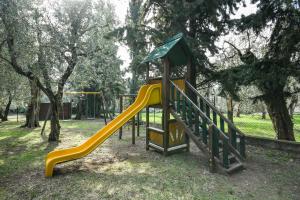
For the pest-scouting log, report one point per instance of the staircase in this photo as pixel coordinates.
(211, 131)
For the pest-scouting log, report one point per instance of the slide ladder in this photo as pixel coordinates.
(211, 131)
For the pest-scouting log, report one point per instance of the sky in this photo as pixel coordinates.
(121, 7)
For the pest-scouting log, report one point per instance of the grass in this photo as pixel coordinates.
(119, 170)
(248, 124)
(255, 126)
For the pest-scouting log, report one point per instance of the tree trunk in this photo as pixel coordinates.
(55, 126)
(229, 108)
(4, 116)
(32, 115)
(280, 117)
(238, 112)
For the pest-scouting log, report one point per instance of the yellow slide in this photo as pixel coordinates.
(148, 95)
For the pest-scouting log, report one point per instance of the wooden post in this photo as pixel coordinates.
(138, 124)
(121, 110)
(190, 77)
(147, 126)
(166, 104)
(133, 130)
(147, 112)
(133, 122)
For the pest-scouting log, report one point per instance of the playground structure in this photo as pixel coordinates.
(135, 121)
(186, 115)
(89, 105)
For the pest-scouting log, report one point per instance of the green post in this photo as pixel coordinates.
(215, 118)
(201, 105)
(172, 94)
(216, 141)
(190, 114)
(242, 146)
(204, 131)
(183, 108)
(233, 137)
(207, 110)
(222, 127)
(225, 154)
(212, 164)
(197, 132)
(178, 101)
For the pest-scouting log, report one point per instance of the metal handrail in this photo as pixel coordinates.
(215, 110)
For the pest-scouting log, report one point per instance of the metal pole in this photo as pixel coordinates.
(17, 114)
(147, 112)
(87, 106)
(94, 106)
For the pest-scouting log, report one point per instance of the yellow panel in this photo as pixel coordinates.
(156, 138)
(148, 94)
(176, 134)
(180, 83)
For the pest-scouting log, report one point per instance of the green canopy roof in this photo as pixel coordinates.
(175, 48)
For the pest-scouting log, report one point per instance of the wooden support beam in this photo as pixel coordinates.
(133, 130)
(147, 110)
(166, 103)
(121, 110)
(138, 124)
(190, 77)
(147, 131)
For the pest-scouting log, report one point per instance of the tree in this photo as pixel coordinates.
(270, 72)
(60, 42)
(100, 71)
(202, 22)
(134, 34)
(10, 89)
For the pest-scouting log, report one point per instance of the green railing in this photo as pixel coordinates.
(237, 138)
(199, 121)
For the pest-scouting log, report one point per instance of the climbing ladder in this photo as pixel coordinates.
(211, 131)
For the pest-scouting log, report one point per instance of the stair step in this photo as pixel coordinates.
(235, 167)
(231, 158)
